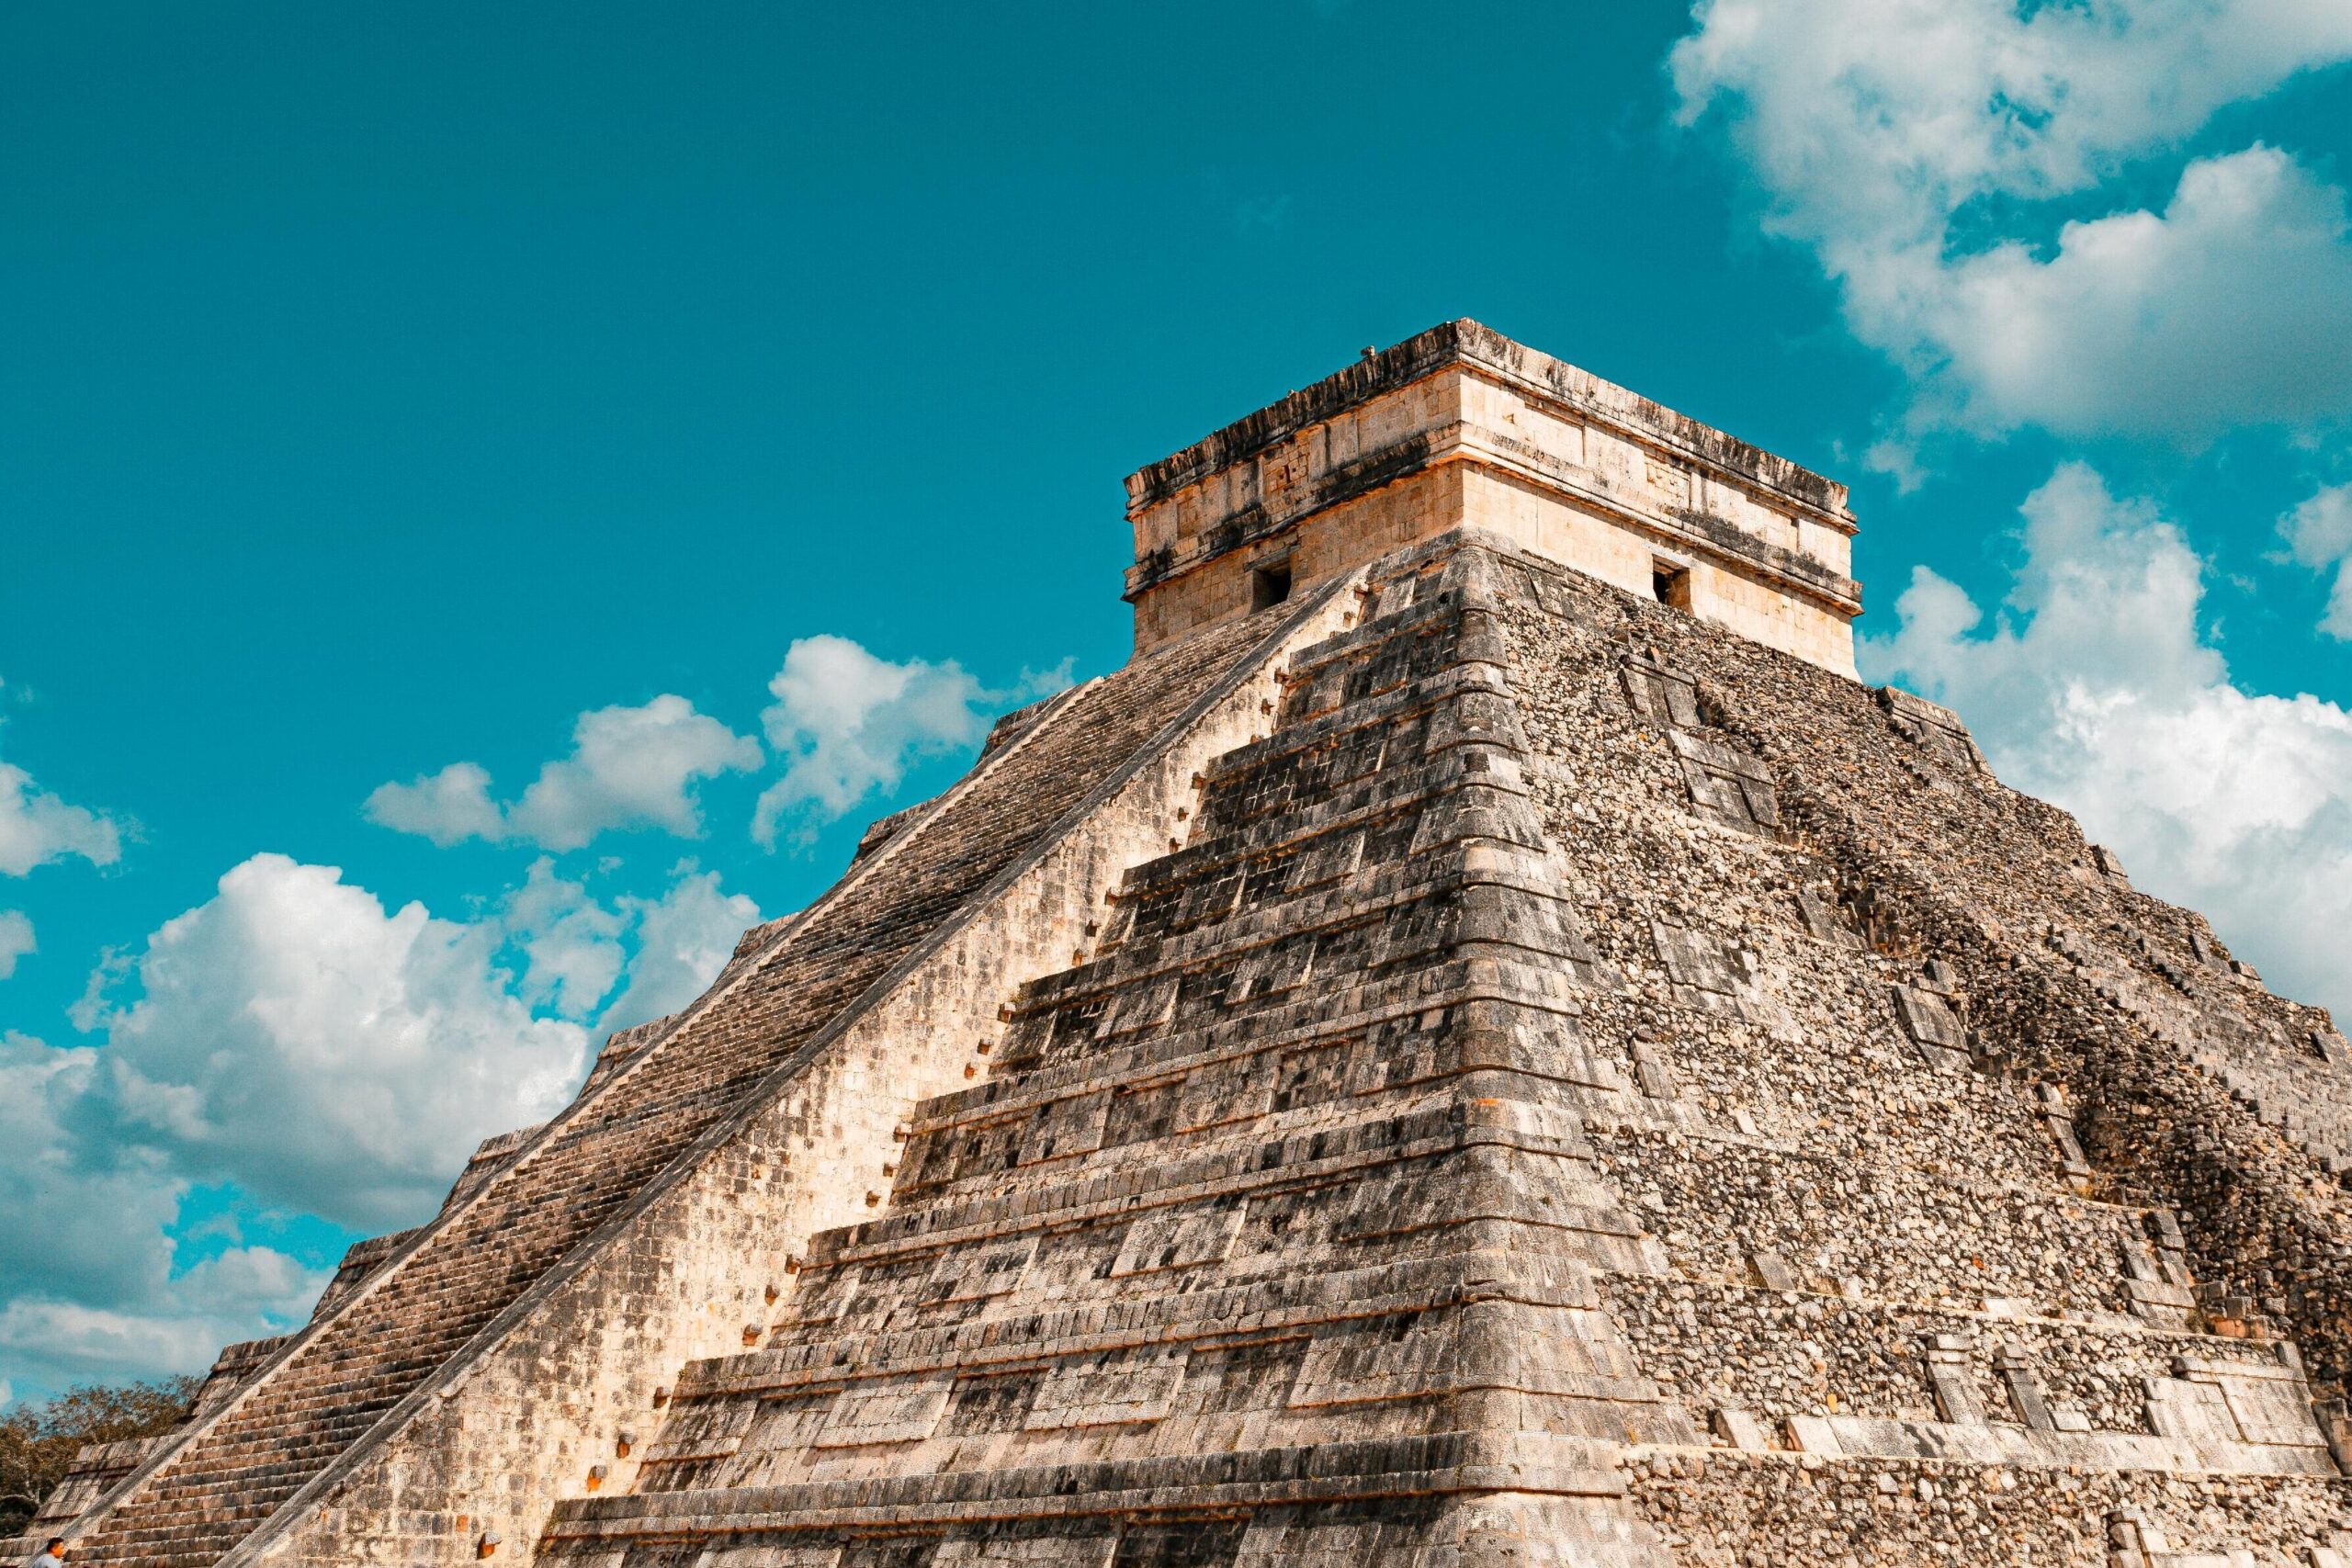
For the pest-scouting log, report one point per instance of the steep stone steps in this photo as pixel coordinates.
(482, 1252)
(1380, 954)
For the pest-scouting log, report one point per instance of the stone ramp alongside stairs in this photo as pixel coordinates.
(451, 1296)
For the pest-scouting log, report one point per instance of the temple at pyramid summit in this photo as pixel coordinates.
(1485, 1044)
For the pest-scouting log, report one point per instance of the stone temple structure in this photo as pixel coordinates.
(1484, 1043)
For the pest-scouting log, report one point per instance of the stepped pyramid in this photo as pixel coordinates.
(1484, 1043)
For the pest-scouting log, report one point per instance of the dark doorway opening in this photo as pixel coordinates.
(1269, 585)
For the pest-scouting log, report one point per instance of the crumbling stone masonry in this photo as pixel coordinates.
(1483, 1043)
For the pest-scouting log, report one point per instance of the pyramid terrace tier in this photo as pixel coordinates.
(1553, 1499)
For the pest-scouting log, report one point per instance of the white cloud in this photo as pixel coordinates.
(16, 939)
(36, 826)
(2096, 690)
(847, 723)
(570, 943)
(684, 940)
(1904, 143)
(575, 949)
(243, 1292)
(446, 807)
(2320, 532)
(90, 1290)
(630, 767)
(294, 1037)
(76, 1216)
(2233, 307)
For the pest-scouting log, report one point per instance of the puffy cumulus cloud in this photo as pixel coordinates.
(684, 939)
(36, 826)
(292, 1036)
(575, 949)
(2232, 307)
(1888, 115)
(244, 1292)
(630, 767)
(570, 944)
(1904, 143)
(16, 939)
(2095, 688)
(2320, 532)
(448, 807)
(88, 1284)
(848, 723)
(80, 1216)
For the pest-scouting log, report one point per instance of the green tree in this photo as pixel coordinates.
(37, 1442)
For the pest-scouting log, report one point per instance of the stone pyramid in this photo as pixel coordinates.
(1484, 1043)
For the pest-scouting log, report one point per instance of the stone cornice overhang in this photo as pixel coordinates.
(1576, 394)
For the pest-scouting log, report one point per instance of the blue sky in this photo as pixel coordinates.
(493, 499)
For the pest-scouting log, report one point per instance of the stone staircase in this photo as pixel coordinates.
(1277, 1194)
(536, 1204)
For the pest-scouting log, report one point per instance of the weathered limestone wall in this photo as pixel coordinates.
(1725, 586)
(1558, 462)
(1896, 1511)
(1533, 1087)
(1980, 1248)
(355, 1379)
